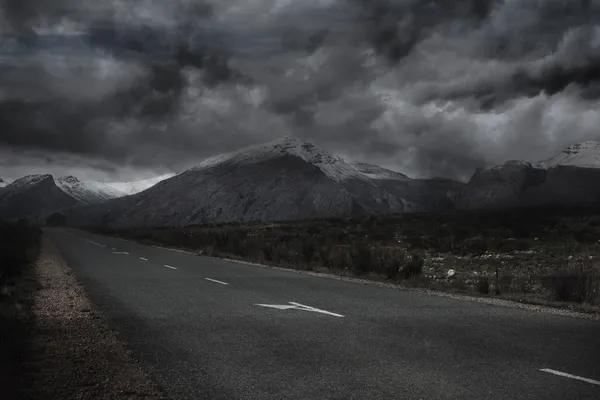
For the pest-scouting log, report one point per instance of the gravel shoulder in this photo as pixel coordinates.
(74, 353)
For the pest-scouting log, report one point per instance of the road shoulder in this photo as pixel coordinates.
(74, 354)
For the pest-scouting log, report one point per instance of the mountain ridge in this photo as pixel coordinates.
(42, 193)
(290, 178)
(283, 179)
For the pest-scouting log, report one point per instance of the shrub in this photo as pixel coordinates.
(56, 219)
(339, 258)
(483, 285)
(325, 256)
(361, 259)
(414, 267)
(308, 249)
(394, 264)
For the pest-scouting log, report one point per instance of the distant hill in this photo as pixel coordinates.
(570, 177)
(34, 195)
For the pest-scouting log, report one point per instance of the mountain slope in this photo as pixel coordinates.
(418, 195)
(36, 195)
(570, 177)
(282, 180)
(87, 192)
(583, 155)
(32, 194)
(138, 186)
(3, 183)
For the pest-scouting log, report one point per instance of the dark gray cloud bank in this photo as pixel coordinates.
(428, 87)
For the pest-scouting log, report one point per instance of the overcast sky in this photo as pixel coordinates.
(124, 89)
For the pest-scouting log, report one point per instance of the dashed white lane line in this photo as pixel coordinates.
(120, 252)
(114, 248)
(579, 378)
(95, 243)
(168, 266)
(144, 259)
(216, 281)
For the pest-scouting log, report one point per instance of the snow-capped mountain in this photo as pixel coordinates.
(3, 183)
(42, 194)
(291, 179)
(583, 155)
(333, 166)
(139, 185)
(570, 177)
(88, 192)
(281, 180)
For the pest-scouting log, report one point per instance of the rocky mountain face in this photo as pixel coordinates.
(36, 195)
(570, 177)
(87, 192)
(582, 155)
(283, 180)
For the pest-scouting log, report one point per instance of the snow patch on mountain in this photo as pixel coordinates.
(29, 180)
(584, 155)
(376, 172)
(334, 166)
(87, 192)
(139, 185)
(3, 183)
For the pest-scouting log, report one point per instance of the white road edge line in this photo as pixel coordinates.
(316, 309)
(168, 266)
(579, 378)
(142, 258)
(216, 281)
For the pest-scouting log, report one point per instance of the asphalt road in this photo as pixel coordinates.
(197, 325)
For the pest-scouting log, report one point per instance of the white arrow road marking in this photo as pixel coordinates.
(579, 378)
(120, 252)
(277, 306)
(309, 308)
(298, 306)
(216, 281)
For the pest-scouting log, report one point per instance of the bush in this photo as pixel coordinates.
(394, 264)
(361, 259)
(56, 219)
(483, 285)
(414, 267)
(573, 287)
(19, 245)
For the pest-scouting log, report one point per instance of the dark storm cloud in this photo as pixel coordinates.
(395, 27)
(430, 86)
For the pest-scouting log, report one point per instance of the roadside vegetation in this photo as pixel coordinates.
(19, 248)
(543, 255)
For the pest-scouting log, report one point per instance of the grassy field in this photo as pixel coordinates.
(544, 255)
(19, 248)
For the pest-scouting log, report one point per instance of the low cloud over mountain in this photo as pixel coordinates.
(425, 87)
